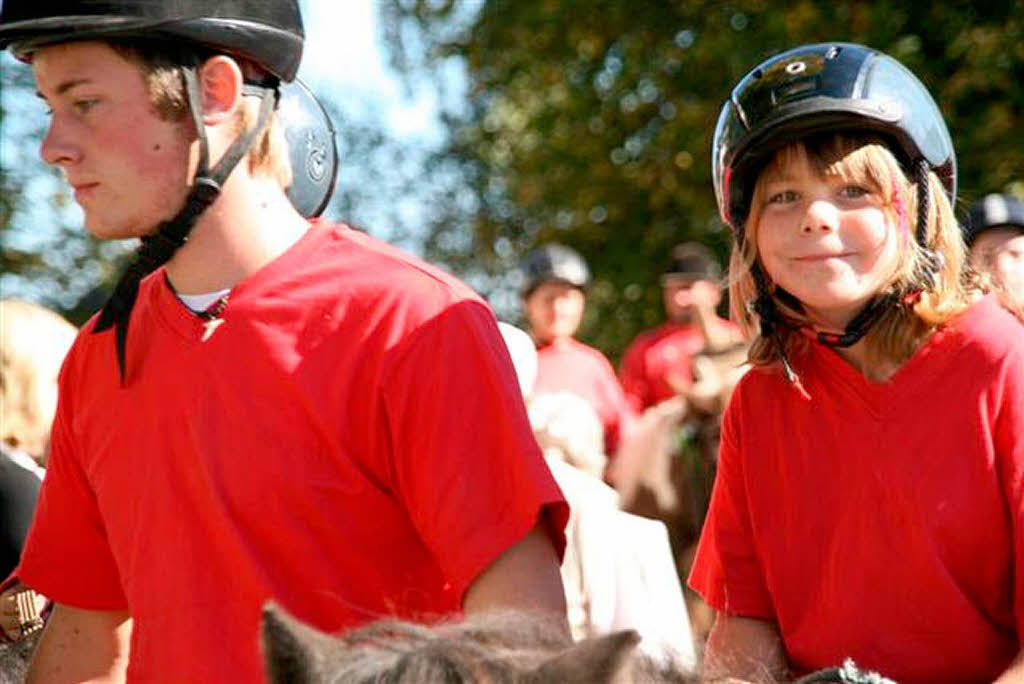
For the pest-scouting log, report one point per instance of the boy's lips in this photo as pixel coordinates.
(83, 190)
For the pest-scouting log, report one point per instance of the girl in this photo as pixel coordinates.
(870, 492)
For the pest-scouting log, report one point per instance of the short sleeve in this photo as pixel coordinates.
(66, 556)
(465, 462)
(726, 570)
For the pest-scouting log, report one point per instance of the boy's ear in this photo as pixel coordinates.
(220, 83)
(601, 660)
(293, 653)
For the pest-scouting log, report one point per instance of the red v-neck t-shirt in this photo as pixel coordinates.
(350, 442)
(880, 521)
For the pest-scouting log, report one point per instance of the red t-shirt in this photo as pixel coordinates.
(882, 522)
(659, 354)
(568, 365)
(350, 442)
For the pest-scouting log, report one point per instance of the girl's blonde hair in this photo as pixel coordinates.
(864, 159)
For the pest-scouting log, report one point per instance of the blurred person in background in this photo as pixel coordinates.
(678, 376)
(33, 343)
(994, 233)
(554, 280)
(619, 570)
(658, 364)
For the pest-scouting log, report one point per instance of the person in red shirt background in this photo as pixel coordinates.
(994, 233)
(657, 365)
(554, 280)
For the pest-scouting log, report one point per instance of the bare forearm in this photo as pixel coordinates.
(82, 646)
(744, 649)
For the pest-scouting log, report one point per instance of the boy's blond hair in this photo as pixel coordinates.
(269, 154)
(865, 160)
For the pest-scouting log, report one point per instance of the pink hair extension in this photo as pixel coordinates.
(897, 202)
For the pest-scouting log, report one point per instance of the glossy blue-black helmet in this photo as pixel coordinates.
(817, 89)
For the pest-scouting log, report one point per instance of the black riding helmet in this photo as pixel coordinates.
(267, 33)
(993, 211)
(828, 87)
(553, 263)
(825, 88)
(692, 261)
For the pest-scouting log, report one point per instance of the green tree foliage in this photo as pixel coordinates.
(590, 123)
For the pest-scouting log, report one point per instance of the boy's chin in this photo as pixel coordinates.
(106, 230)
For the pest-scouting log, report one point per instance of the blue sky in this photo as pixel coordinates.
(344, 60)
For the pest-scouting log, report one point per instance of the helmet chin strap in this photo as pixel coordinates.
(157, 249)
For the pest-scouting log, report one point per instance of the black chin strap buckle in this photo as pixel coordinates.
(847, 339)
(206, 189)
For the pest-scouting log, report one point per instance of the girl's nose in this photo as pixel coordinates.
(821, 217)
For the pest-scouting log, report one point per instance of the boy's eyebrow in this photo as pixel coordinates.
(65, 86)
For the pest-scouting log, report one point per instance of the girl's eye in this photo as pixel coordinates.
(782, 197)
(854, 191)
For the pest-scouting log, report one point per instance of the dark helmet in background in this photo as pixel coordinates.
(553, 263)
(692, 261)
(993, 211)
(824, 88)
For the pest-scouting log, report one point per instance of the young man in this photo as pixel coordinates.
(995, 235)
(657, 364)
(554, 278)
(303, 436)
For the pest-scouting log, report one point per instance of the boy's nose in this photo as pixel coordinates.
(57, 148)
